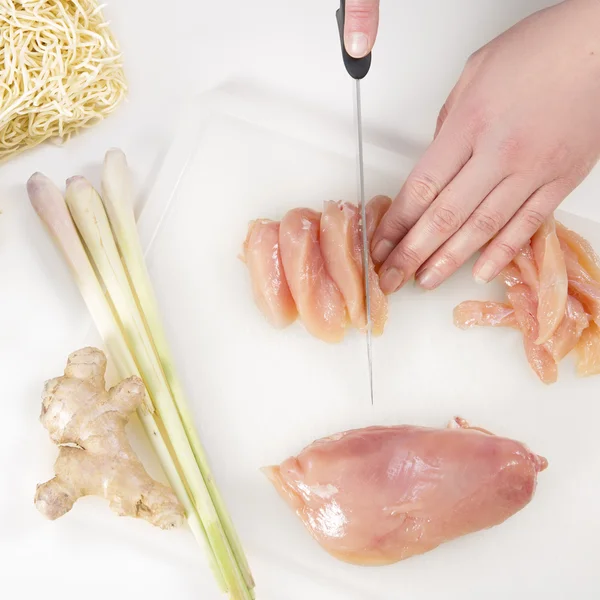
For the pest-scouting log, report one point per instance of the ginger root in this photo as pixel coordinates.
(87, 422)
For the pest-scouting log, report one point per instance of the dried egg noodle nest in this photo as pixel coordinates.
(60, 70)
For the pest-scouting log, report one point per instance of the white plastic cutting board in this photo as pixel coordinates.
(260, 395)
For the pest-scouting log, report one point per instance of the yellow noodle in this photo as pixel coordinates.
(60, 71)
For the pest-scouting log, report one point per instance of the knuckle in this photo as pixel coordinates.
(442, 115)
(476, 58)
(579, 171)
(361, 10)
(533, 218)
(555, 156)
(394, 226)
(477, 118)
(488, 223)
(510, 149)
(423, 189)
(445, 219)
(506, 249)
(472, 61)
(408, 256)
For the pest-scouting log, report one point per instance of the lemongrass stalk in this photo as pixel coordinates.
(91, 220)
(117, 196)
(50, 206)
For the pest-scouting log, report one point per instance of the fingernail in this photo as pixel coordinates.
(382, 250)
(486, 273)
(429, 278)
(391, 280)
(357, 44)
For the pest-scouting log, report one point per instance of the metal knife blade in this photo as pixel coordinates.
(357, 69)
(363, 219)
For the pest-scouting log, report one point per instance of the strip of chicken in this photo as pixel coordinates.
(476, 313)
(523, 301)
(379, 495)
(269, 284)
(341, 245)
(553, 282)
(588, 352)
(525, 261)
(581, 285)
(318, 299)
(586, 255)
(569, 332)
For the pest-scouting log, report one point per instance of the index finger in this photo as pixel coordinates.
(360, 26)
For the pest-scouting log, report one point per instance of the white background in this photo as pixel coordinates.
(172, 51)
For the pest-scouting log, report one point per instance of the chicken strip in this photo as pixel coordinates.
(269, 284)
(473, 313)
(581, 285)
(566, 337)
(586, 255)
(341, 245)
(525, 262)
(553, 282)
(522, 299)
(379, 495)
(588, 352)
(317, 297)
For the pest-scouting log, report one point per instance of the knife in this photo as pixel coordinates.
(357, 68)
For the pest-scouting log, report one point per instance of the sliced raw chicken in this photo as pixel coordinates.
(474, 313)
(569, 277)
(379, 495)
(375, 209)
(553, 282)
(511, 275)
(341, 245)
(569, 331)
(318, 299)
(523, 301)
(581, 284)
(586, 255)
(269, 284)
(525, 261)
(588, 352)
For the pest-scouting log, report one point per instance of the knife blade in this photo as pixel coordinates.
(357, 68)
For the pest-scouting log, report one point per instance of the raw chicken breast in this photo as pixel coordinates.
(553, 282)
(379, 495)
(525, 261)
(581, 285)
(588, 352)
(569, 331)
(522, 299)
(269, 284)
(318, 299)
(586, 255)
(474, 313)
(341, 245)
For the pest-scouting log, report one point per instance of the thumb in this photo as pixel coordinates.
(360, 28)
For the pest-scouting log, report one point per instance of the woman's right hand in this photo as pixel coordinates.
(360, 29)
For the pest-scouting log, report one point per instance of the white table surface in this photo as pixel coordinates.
(173, 50)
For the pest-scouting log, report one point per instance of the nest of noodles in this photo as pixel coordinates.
(60, 71)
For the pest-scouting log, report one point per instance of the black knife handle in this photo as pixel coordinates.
(357, 67)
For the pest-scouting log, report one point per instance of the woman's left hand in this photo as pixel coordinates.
(520, 130)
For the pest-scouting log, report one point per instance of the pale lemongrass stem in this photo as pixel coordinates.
(117, 196)
(91, 220)
(50, 206)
